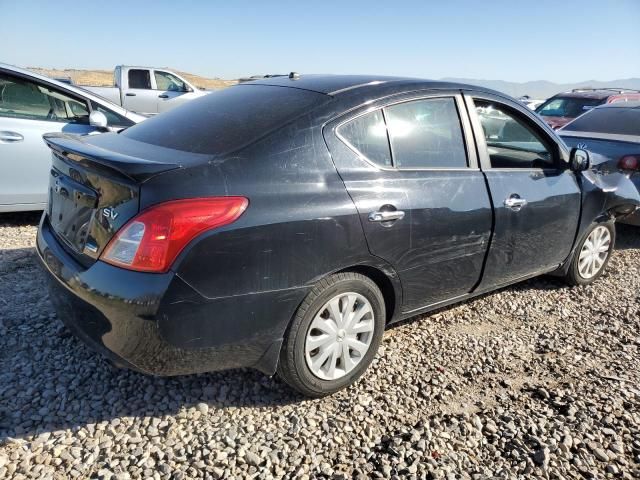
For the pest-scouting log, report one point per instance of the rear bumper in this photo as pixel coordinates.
(157, 323)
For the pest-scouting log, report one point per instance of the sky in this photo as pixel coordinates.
(514, 40)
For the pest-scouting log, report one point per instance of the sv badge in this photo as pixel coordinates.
(109, 213)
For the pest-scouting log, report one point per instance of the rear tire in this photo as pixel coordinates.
(592, 254)
(333, 336)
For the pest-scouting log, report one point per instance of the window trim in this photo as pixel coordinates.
(560, 154)
(465, 130)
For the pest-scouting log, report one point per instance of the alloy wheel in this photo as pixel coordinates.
(594, 252)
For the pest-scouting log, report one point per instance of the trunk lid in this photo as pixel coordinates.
(94, 190)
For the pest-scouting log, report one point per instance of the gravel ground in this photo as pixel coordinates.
(538, 380)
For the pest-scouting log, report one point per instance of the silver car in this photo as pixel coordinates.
(30, 106)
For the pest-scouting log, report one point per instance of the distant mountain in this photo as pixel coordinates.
(543, 89)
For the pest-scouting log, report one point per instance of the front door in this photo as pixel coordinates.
(170, 89)
(422, 200)
(536, 197)
(29, 109)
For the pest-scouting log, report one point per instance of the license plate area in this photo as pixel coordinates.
(71, 208)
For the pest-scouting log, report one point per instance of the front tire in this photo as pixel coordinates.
(334, 335)
(592, 254)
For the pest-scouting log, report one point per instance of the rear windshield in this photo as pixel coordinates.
(623, 121)
(227, 120)
(567, 106)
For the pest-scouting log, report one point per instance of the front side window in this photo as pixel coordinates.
(511, 141)
(367, 135)
(21, 98)
(426, 134)
(139, 79)
(113, 119)
(169, 83)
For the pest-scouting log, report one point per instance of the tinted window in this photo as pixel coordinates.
(169, 83)
(511, 141)
(21, 98)
(368, 135)
(623, 121)
(139, 79)
(226, 120)
(567, 106)
(426, 134)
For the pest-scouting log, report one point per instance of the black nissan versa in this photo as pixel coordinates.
(282, 224)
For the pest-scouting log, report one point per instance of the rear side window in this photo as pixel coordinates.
(367, 135)
(226, 120)
(426, 134)
(139, 79)
(617, 120)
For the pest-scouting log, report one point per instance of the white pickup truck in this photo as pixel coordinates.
(148, 90)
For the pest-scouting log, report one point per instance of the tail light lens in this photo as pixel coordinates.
(629, 162)
(152, 240)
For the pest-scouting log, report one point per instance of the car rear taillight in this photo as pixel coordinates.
(152, 240)
(629, 162)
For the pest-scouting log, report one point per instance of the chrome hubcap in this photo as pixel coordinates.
(339, 336)
(594, 252)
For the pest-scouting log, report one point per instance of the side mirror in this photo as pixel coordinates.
(98, 119)
(579, 160)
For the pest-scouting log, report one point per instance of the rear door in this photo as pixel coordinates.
(410, 167)
(536, 197)
(29, 109)
(139, 96)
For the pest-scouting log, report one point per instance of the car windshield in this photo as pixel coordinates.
(225, 120)
(616, 120)
(567, 106)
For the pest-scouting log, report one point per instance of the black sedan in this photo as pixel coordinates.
(611, 133)
(282, 224)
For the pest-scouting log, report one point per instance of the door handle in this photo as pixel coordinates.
(10, 137)
(164, 95)
(386, 216)
(130, 94)
(514, 202)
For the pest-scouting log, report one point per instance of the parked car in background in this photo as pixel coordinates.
(30, 106)
(67, 80)
(560, 109)
(532, 103)
(281, 224)
(148, 90)
(611, 133)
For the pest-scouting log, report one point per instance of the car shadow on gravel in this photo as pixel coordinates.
(19, 219)
(49, 380)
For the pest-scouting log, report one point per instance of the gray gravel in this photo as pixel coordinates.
(538, 380)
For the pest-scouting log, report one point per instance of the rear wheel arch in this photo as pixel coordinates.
(390, 292)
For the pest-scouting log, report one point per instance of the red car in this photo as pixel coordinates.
(564, 107)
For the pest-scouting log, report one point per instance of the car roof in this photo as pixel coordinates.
(621, 104)
(596, 93)
(334, 85)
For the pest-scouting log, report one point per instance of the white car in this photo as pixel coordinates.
(148, 90)
(30, 106)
